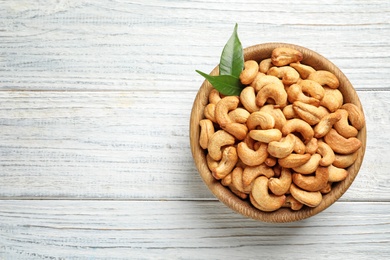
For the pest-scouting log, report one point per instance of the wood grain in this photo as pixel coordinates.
(186, 229)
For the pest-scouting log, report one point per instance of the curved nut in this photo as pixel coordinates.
(289, 112)
(211, 163)
(312, 183)
(343, 127)
(251, 67)
(209, 112)
(217, 141)
(265, 80)
(252, 172)
(206, 131)
(251, 157)
(327, 188)
(238, 193)
(299, 146)
(295, 93)
(277, 114)
(311, 114)
(227, 163)
(326, 123)
(257, 78)
(227, 180)
(239, 115)
(282, 56)
(238, 130)
(344, 161)
(332, 100)
(292, 203)
(336, 174)
(262, 119)
(214, 96)
(310, 166)
(266, 136)
(325, 78)
(294, 160)
(312, 146)
(263, 200)
(281, 185)
(270, 161)
(282, 148)
(274, 92)
(312, 88)
(326, 152)
(355, 115)
(303, 70)
(342, 145)
(248, 99)
(298, 125)
(237, 181)
(287, 74)
(308, 198)
(222, 108)
(265, 65)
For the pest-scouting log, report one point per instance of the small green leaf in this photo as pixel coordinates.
(226, 84)
(232, 57)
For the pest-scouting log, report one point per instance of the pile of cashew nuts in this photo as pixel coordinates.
(288, 136)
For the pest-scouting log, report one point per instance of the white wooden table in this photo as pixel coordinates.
(95, 98)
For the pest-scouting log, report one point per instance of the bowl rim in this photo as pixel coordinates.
(244, 207)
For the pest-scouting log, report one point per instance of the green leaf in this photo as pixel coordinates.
(226, 84)
(232, 57)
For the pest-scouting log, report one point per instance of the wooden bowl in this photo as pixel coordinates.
(244, 207)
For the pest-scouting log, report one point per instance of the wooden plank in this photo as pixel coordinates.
(118, 45)
(186, 230)
(127, 145)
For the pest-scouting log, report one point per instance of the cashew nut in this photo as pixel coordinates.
(248, 99)
(298, 125)
(303, 70)
(336, 174)
(282, 148)
(295, 93)
(310, 166)
(274, 92)
(270, 161)
(308, 198)
(214, 96)
(312, 146)
(294, 160)
(332, 100)
(238, 130)
(327, 188)
(263, 200)
(281, 185)
(266, 136)
(206, 131)
(289, 112)
(209, 112)
(251, 67)
(239, 115)
(343, 127)
(222, 108)
(217, 140)
(326, 152)
(211, 163)
(325, 78)
(326, 123)
(344, 161)
(262, 119)
(265, 65)
(251, 157)
(312, 88)
(355, 115)
(227, 163)
(287, 74)
(292, 203)
(311, 114)
(342, 145)
(312, 183)
(280, 119)
(282, 56)
(265, 80)
(252, 172)
(237, 181)
(299, 146)
(227, 180)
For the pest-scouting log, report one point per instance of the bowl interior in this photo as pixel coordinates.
(258, 53)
